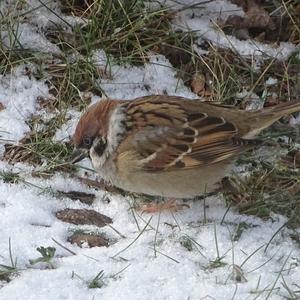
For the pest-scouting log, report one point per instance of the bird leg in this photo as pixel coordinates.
(160, 205)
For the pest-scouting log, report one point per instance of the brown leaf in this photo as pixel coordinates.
(91, 239)
(255, 17)
(258, 17)
(85, 198)
(83, 217)
(1, 106)
(198, 83)
(17, 153)
(101, 185)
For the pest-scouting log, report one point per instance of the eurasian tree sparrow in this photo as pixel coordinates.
(166, 145)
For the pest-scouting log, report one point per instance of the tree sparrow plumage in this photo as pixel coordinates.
(167, 145)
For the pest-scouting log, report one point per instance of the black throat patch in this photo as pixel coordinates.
(100, 146)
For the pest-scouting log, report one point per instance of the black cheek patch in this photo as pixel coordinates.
(100, 147)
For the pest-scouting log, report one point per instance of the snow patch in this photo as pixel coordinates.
(253, 101)
(18, 94)
(128, 82)
(271, 81)
(26, 36)
(202, 20)
(67, 130)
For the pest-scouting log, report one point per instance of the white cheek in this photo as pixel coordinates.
(97, 161)
(104, 166)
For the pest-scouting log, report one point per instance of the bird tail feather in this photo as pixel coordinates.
(262, 119)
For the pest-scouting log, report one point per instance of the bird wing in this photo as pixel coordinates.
(167, 135)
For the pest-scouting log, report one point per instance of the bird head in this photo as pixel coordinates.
(92, 130)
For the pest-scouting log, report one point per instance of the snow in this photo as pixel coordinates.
(174, 273)
(150, 262)
(203, 20)
(18, 94)
(271, 81)
(27, 36)
(254, 102)
(65, 133)
(128, 82)
(36, 18)
(294, 121)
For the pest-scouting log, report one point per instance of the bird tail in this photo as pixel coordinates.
(262, 119)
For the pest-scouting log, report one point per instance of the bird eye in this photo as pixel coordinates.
(87, 141)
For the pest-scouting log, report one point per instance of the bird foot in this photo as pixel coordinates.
(170, 205)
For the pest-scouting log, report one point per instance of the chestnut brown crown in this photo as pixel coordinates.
(94, 123)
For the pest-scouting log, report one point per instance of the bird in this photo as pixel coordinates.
(169, 146)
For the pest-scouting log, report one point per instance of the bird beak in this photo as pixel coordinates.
(78, 155)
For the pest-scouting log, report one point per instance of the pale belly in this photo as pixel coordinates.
(175, 184)
(179, 183)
